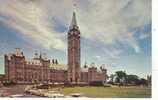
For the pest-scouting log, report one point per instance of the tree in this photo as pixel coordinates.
(149, 80)
(120, 74)
(133, 79)
(121, 77)
(143, 81)
(111, 77)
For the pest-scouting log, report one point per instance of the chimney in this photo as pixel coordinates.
(53, 61)
(56, 61)
(18, 52)
(36, 55)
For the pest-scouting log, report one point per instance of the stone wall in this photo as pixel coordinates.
(18, 70)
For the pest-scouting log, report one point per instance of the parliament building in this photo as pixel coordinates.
(43, 70)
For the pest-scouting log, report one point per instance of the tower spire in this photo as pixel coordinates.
(73, 22)
(73, 52)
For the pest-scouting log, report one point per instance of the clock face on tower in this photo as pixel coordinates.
(71, 33)
(76, 27)
(76, 33)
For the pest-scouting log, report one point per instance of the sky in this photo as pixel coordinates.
(116, 33)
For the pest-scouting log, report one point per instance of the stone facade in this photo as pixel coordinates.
(39, 69)
(42, 70)
(1, 79)
(74, 52)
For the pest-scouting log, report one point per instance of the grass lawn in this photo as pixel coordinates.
(109, 92)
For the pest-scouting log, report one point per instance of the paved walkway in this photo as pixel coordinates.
(12, 90)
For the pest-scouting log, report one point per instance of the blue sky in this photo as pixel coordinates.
(114, 33)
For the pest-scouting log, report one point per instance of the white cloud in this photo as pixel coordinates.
(112, 52)
(32, 21)
(144, 36)
(106, 21)
(109, 20)
(97, 57)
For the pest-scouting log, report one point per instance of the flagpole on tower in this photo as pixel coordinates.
(74, 7)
